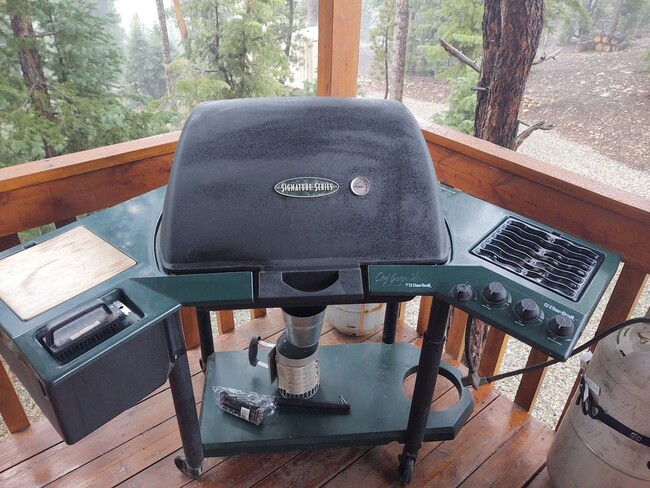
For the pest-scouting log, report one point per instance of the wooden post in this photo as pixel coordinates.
(225, 321)
(625, 296)
(339, 28)
(423, 314)
(258, 313)
(10, 407)
(401, 314)
(64, 222)
(9, 241)
(190, 327)
(495, 348)
(531, 382)
(456, 337)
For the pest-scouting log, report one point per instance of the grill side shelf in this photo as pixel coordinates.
(542, 257)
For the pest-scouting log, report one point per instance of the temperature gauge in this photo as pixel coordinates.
(360, 186)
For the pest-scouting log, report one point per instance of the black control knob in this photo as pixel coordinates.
(526, 309)
(561, 326)
(462, 291)
(495, 293)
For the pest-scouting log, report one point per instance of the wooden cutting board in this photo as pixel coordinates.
(45, 275)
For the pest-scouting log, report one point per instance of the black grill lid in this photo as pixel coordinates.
(242, 190)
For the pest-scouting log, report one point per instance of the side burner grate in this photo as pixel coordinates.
(547, 259)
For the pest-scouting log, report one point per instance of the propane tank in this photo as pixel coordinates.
(603, 439)
(356, 320)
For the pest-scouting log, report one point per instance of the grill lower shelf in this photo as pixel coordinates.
(368, 376)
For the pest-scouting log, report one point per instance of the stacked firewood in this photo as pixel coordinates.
(603, 43)
(606, 44)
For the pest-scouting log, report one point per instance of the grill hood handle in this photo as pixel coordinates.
(341, 283)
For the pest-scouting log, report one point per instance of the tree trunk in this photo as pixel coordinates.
(398, 61)
(31, 66)
(386, 78)
(182, 28)
(311, 13)
(167, 57)
(615, 17)
(511, 32)
(291, 4)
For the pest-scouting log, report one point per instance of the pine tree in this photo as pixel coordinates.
(155, 81)
(458, 23)
(237, 51)
(76, 104)
(106, 8)
(381, 39)
(464, 31)
(136, 56)
(166, 51)
(398, 61)
(423, 33)
(144, 73)
(511, 32)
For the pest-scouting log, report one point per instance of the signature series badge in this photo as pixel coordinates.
(306, 187)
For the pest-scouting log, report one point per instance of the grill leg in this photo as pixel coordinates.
(425, 383)
(190, 463)
(206, 339)
(390, 322)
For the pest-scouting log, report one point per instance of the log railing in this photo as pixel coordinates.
(59, 189)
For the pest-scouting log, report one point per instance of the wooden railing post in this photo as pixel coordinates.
(64, 222)
(225, 321)
(7, 242)
(10, 407)
(190, 327)
(531, 382)
(493, 352)
(624, 297)
(423, 314)
(258, 313)
(455, 345)
(339, 27)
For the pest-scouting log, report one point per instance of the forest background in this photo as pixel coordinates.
(75, 79)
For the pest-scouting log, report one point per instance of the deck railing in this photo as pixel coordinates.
(60, 189)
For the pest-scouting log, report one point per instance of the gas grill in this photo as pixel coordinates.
(299, 204)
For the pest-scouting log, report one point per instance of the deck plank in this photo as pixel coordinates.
(243, 471)
(18, 447)
(500, 446)
(62, 459)
(301, 471)
(542, 480)
(312, 468)
(378, 468)
(453, 461)
(517, 461)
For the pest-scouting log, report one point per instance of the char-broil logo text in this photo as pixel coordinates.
(306, 187)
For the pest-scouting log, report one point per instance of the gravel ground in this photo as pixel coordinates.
(554, 149)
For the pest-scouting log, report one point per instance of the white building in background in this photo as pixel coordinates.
(305, 51)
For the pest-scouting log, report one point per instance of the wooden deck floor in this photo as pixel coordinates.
(501, 445)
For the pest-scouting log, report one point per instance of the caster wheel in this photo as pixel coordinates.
(406, 466)
(183, 467)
